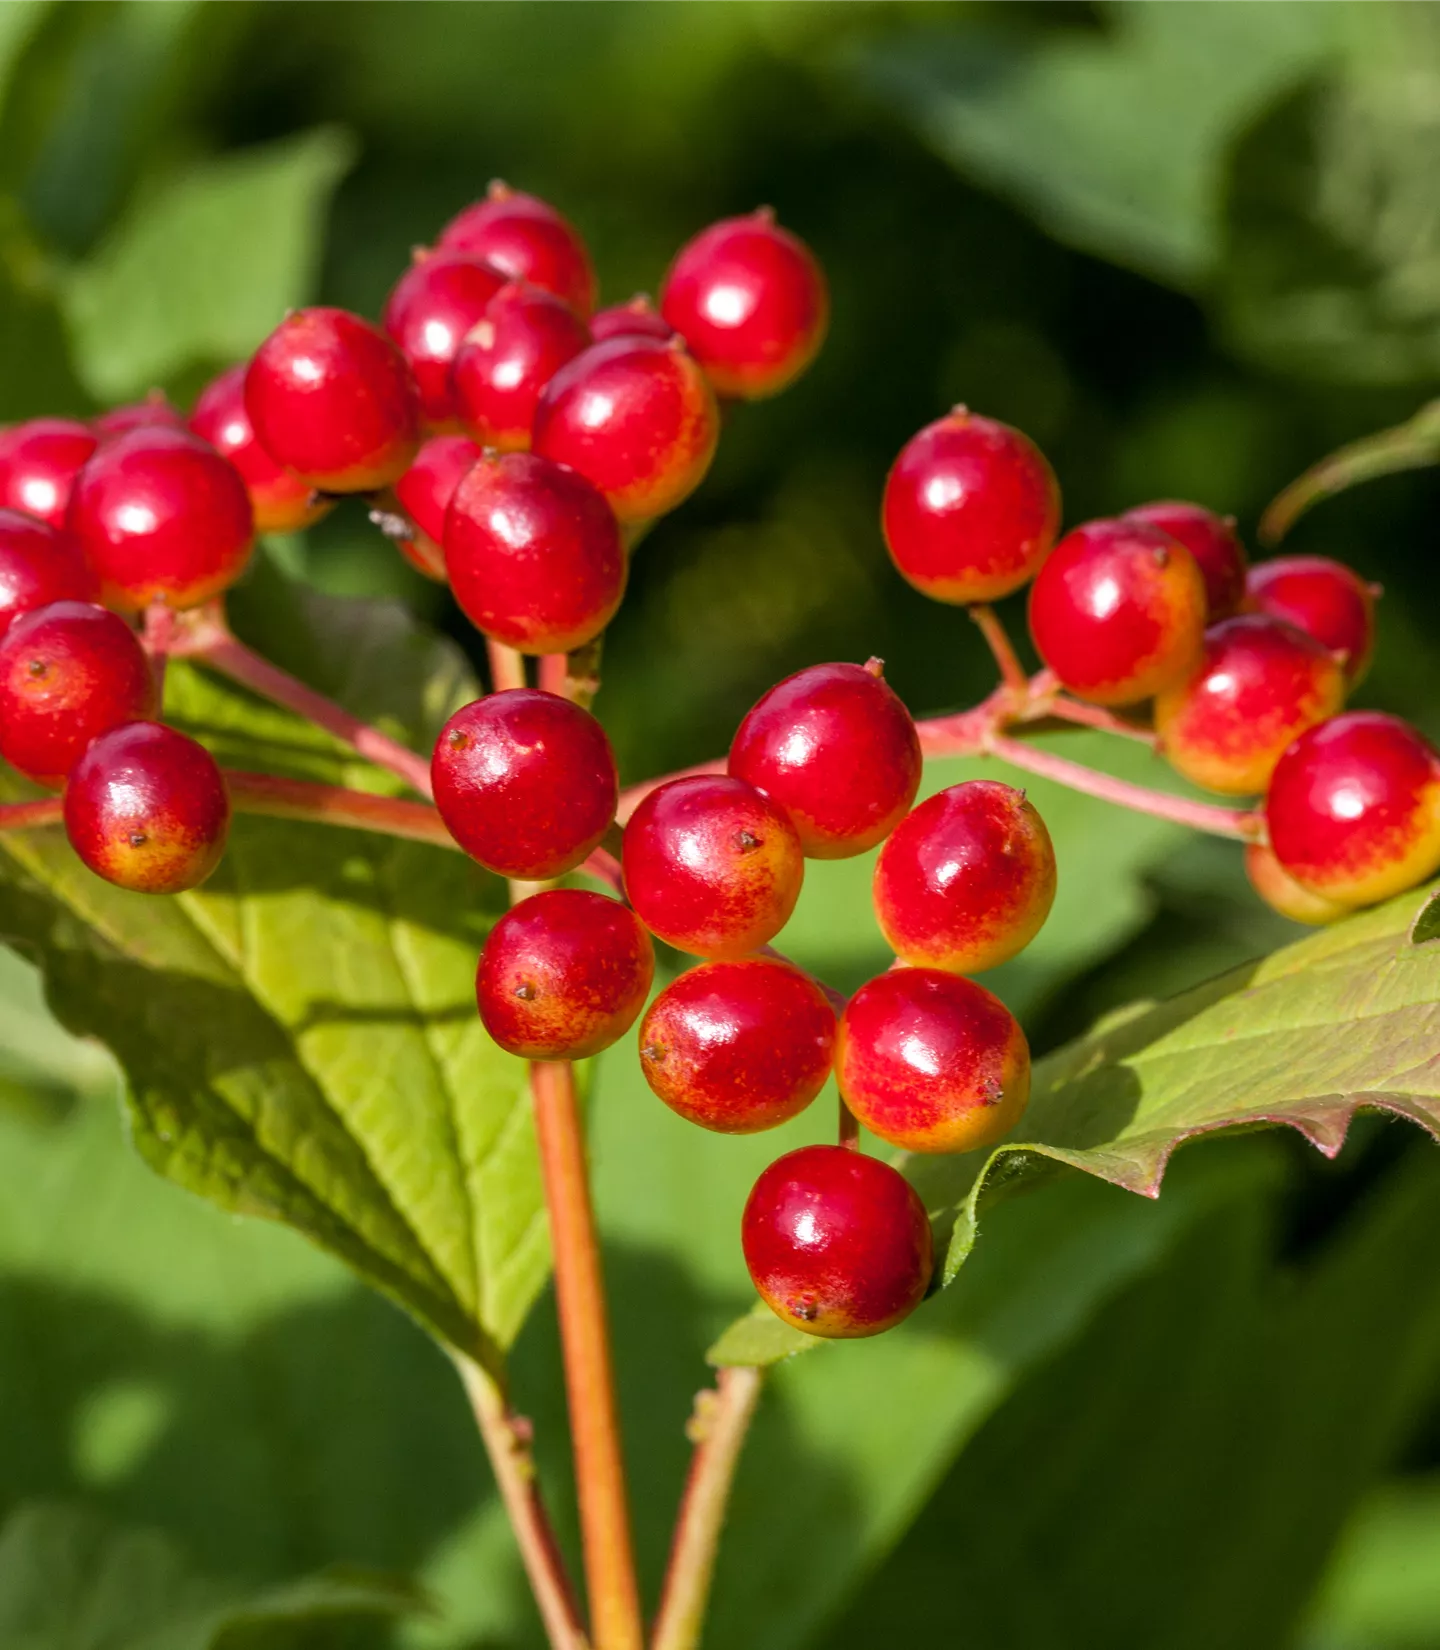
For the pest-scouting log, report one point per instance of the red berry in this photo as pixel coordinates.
(332, 399)
(39, 461)
(433, 306)
(527, 239)
(931, 1061)
(280, 501)
(68, 672)
(1213, 542)
(146, 808)
(967, 880)
(1257, 685)
(1353, 808)
(509, 356)
(534, 553)
(161, 516)
(712, 866)
(634, 416)
(563, 975)
(153, 412)
(836, 749)
(751, 302)
(838, 1244)
(738, 1046)
(525, 782)
(1280, 891)
(424, 493)
(636, 319)
(1325, 599)
(1118, 611)
(971, 509)
(38, 565)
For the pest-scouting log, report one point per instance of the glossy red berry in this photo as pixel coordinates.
(147, 809)
(1258, 684)
(279, 500)
(837, 1244)
(563, 975)
(1118, 611)
(153, 412)
(836, 749)
(525, 782)
(533, 552)
(637, 318)
(751, 302)
(712, 866)
(967, 880)
(161, 516)
(38, 565)
(1280, 891)
(634, 416)
(424, 493)
(428, 314)
(68, 672)
(1353, 808)
(931, 1061)
(1213, 542)
(1325, 599)
(527, 239)
(738, 1046)
(971, 509)
(506, 360)
(332, 399)
(39, 461)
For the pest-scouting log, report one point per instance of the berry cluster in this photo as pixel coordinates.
(1246, 669)
(512, 440)
(515, 443)
(825, 766)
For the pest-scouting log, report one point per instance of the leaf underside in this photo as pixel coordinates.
(1345, 1019)
(299, 1036)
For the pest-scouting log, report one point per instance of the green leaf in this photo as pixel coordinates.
(1383, 1592)
(299, 1036)
(1115, 143)
(1332, 267)
(1177, 1477)
(71, 1581)
(203, 267)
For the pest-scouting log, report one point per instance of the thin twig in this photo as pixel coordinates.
(554, 668)
(159, 637)
(718, 1428)
(507, 1442)
(589, 1376)
(507, 667)
(269, 795)
(848, 1131)
(213, 644)
(1243, 824)
(1012, 672)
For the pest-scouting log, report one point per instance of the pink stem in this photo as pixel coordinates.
(554, 670)
(507, 667)
(997, 638)
(225, 653)
(1240, 823)
(24, 816)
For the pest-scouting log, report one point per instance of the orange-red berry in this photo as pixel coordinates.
(1213, 542)
(1258, 684)
(931, 1061)
(279, 500)
(1280, 891)
(738, 1046)
(837, 1244)
(712, 866)
(1118, 611)
(971, 509)
(966, 880)
(1325, 599)
(527, 239)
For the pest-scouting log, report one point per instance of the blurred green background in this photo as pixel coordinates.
(1189, 248)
